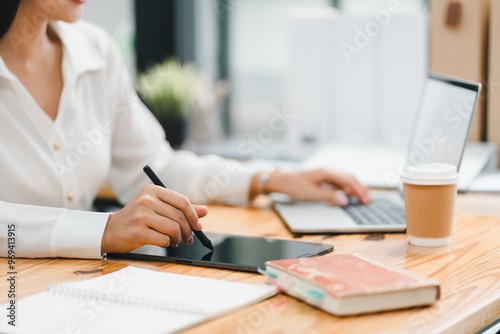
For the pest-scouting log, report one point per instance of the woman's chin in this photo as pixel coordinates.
(70, 11)
(71, 17)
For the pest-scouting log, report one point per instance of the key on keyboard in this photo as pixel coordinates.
(382, 211)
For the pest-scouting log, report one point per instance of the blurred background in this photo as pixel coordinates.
(280, 78)
(243, 41)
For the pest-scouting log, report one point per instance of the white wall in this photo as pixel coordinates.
(259, 59)
(356, 78)
(259, 54)
(359, 6)
(117, 18)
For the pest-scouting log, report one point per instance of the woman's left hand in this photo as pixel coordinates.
(318, 185)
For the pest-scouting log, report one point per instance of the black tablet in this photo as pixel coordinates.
(230, 252)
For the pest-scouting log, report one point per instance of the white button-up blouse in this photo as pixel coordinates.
(51, 170)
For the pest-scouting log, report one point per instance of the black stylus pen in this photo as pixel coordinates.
(156, 180)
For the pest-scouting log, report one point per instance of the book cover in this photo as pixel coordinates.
(351, 284)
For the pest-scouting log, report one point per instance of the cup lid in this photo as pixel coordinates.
(430, 174)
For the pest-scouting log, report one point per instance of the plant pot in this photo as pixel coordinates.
(175, 130)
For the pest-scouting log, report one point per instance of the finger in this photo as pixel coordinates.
(157, 207)
(182, 203)
(156, 238)
(201, 210)
(350, 185)
(175, 215)
(167, 227)
(334, 197)
(325, 194)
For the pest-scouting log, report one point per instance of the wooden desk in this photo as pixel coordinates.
(469, 270)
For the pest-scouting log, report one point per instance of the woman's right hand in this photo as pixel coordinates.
(155, 216)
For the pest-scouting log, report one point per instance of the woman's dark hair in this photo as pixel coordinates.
(8, 10)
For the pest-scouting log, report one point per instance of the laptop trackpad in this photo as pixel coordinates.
(303, 216)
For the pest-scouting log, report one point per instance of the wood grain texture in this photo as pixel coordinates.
(469, 270)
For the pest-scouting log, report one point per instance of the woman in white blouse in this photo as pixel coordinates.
(70, 120)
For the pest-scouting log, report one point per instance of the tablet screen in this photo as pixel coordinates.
(230, 252)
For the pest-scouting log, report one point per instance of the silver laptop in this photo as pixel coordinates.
(439, 134)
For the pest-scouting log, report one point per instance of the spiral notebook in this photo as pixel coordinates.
(132, 300)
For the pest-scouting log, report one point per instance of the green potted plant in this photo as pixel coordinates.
(165, 90)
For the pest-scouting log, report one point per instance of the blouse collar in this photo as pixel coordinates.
(80, 52)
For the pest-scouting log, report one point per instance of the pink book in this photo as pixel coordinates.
(348, 284)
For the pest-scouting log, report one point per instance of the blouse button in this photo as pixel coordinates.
(70, 196)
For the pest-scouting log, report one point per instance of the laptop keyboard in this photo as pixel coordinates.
(382, 211)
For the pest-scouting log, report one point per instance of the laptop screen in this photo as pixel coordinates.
(443, 121)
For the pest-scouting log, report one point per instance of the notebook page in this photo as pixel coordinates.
(211, 296)
(45, 313)
(51, 313)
